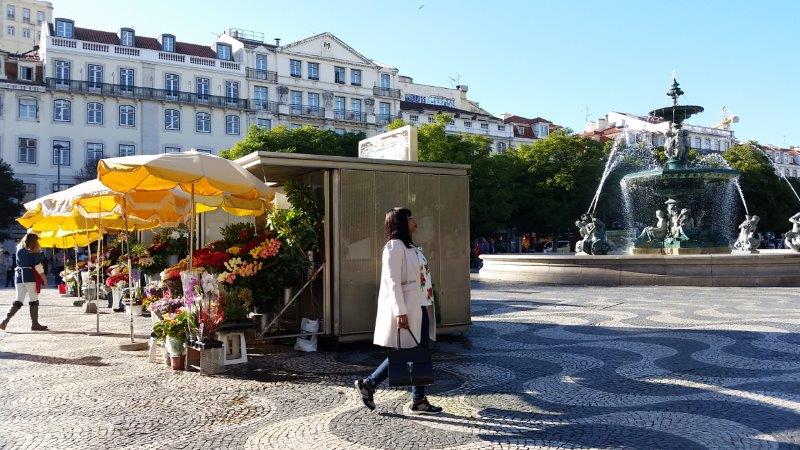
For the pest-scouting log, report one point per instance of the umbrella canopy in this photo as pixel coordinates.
(38, 222)
(67, 239)
(214, 181)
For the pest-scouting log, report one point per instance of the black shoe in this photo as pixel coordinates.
(367, 394)
(424, 407)
(119, 309)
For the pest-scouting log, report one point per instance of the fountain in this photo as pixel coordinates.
(690, 242)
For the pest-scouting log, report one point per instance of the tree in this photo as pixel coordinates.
(13, 193)
(767, 195)
(308, 140)
(88, 171)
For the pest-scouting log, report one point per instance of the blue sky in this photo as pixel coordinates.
(555, 59)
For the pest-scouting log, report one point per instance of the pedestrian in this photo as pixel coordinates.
(58, 266)
(4, 261)
(405, 305)
(29, 255)
(11, 264)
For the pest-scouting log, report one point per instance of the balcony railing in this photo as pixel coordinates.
(305, 110)
(383, 119)
(145, 93)
(385, 92)
(349, 116)
(258, 74)
(263, 105)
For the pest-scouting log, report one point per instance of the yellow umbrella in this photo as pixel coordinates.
(38, 222)
(67, 239)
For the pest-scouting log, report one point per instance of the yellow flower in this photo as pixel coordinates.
(234, 250)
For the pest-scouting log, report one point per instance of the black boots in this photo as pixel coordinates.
(35, 325)
(14, 308)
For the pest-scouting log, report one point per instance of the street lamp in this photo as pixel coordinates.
(59, 147)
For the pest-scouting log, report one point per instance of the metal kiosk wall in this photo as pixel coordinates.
(357, 194)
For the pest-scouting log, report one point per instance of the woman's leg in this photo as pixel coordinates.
(16, 306)
(418, 392)
(33, 303)
(380, 374)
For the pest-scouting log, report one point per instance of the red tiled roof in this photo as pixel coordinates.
(527, 132)
(523, 120)
(149, 43)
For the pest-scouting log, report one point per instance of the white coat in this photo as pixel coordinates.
(400, 293)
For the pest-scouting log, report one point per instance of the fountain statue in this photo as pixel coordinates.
(749, 239)
(792, 238)
(593, 233)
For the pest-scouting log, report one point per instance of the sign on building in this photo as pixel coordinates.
(399, 144)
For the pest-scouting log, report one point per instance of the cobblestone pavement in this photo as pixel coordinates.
(546, 367)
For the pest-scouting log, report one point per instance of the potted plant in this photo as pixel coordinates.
(173, 327)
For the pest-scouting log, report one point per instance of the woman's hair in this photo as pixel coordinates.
(396, 225)
(30, 241)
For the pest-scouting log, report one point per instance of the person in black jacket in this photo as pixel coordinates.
(29, 254)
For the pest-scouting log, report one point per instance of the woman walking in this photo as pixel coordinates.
(405, 305)
(29, 254)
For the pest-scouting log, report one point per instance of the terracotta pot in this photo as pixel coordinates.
(178, 362)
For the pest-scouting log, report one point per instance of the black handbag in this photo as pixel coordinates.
(410, 366)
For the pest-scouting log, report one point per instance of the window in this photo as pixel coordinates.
(467, 124)
(261, 62)
(724, 146)
(697, 143)
(127, 150)
(203, 88)
(39, 17)
(413, 118)
(313, 71)
(62, 110)
(716, 144)
(27, 151)
(10, 30)
(172, 149)
(26, 15)
(63, 71)
(313, 101)
(520, 130)
(542, 130)
(296, 101)
(501, 147)
(94, 152)
(95, 76)
(126, 79)
(172, 119)
(231, 124)
(11, 12)
(707, 143)
(501, 128)
(261, 96)
(264, 124)
(62, 153)
(232, 90)
(26, 32)
(168, 42)
(28, 108)
(386, 81)
(385, 111)
(65, 28)
(355, 105)
(224, 51)
(203, 122)
(127, 37)
(30, 192)
(484, 126)
(338, 74)
(295, 67)
(355, 77)
(431, 119)
(127, 116)
(172, 84)
(26, 73)
(339, 131)
(94, 113)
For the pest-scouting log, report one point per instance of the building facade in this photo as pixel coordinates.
(21, 24)
(526, 130)
(785, 160)
(421, 102)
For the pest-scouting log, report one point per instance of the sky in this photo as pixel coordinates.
(562, 60)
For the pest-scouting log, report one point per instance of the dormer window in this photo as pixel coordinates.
(65, 28)
(168, 42)
(127, 37)
(223, 51)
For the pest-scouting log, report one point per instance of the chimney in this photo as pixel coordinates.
(277, 42)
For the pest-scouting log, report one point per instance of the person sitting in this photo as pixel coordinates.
(657, 232)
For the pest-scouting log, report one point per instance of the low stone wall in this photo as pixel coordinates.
(768, 268)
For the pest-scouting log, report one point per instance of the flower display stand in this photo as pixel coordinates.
(206, 357)
(234, 345)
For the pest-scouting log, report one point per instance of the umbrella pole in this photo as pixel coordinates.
(97, 282)
(130, 272)
(191, 233)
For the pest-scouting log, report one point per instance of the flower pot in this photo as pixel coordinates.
(136, 310)
(178, 362)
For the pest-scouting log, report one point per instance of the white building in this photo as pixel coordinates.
(421, 103)
(527, 131)
(703, 139)
(21, 23)
(786, 160)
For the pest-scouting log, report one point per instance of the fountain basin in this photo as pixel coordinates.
(679, 182)
(768, 268)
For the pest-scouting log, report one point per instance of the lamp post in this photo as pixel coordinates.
(59, 147)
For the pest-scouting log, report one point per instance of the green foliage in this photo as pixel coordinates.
(305, 139)
(767, 195)
(236, 304)
(395, 124)
(13, 192)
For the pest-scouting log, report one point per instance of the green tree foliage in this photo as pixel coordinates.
(13, 192)
(767, 195)
(308, 140)
(559, 178)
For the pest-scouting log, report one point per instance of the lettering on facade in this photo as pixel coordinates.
(431, 100)
(21, 87)
(326, 45)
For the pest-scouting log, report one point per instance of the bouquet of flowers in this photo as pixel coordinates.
(165, 306)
